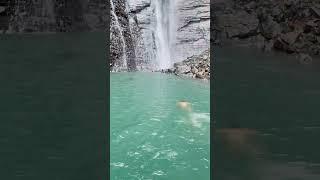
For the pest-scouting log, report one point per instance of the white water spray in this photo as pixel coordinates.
(165, 32)
(124, 57)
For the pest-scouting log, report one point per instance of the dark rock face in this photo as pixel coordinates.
(197, 66)
(54, 15)
(116, 45)
(6, 10)
(304, 59)
(291, 26)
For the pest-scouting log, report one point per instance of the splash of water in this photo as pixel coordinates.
(198, 119)
(117, 24)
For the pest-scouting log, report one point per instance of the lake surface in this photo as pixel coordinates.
(150, 137)
(53, 106)
(276, 98)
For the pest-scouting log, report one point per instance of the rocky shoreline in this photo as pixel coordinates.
(197, 67)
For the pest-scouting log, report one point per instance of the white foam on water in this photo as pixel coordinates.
(154, 119)
(165, 154)
(148, 147)
(154, 134)
(158, 173)
(198, 119)
(119, 164)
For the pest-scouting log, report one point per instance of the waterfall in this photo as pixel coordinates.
(165, 32)
(117, 24)
(148, 38)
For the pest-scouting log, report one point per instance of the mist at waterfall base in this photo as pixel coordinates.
(150, 137)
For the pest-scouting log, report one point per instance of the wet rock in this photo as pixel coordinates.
(291, 26)
(193, 24)
(167, 71)
(315, 11)
(268, 45)
(122, 48)
(197, 66)
(269, 28)
(56, 16)
(290, 37)
(304, 58)
(2, 9)
(182, 69)
(241, 24)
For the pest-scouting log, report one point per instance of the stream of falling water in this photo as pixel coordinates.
(124, 57)
(165, 32)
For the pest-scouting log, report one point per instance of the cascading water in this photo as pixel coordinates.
(117, 24)
(165, 32)
(151, 32)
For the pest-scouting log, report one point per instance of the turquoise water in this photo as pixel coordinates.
(150, 137)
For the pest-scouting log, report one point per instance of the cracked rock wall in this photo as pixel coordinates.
(192, 29)
(291, 26)
(52, 15)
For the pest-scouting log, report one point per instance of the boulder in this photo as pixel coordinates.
(304, 58)
(290, 37)
(2, 9)
(269, 28)
(197, 66)
(241, 24)
(315, 11)
(183, 69)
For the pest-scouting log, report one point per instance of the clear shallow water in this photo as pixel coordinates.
(150, 137)
(278, 98)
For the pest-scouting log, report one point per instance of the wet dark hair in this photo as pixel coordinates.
(183, 100)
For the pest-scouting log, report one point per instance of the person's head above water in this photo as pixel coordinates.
(184, 105)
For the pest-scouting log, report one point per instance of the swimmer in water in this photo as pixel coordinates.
(184, 105)
(239, 139)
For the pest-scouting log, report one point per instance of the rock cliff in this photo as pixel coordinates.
(291, 26)
(20, 16)
(191, 23)
(122, 50)
(193, 28)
